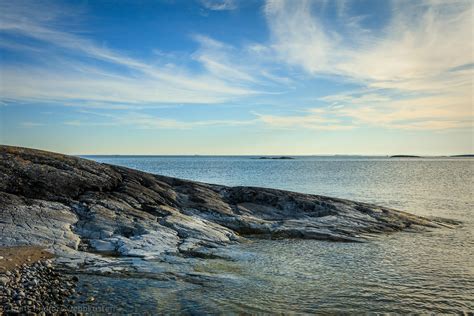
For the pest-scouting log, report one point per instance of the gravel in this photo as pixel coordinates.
(36, 289)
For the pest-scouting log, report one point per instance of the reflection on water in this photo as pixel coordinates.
(404, 272)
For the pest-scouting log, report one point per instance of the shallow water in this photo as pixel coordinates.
(403, 272)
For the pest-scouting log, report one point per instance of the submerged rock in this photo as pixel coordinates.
(80, 208)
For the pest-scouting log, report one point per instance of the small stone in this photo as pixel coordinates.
(4, 280)
(90, 299)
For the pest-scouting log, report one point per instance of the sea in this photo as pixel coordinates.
(428, 272)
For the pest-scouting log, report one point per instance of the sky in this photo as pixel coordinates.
(227, 77)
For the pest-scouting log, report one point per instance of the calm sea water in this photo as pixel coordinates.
(403, 272)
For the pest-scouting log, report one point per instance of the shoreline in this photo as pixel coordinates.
(30, 282)
(14, 257)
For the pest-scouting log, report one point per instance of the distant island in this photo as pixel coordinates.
(404, 156)
(282, 157)
(452, 156)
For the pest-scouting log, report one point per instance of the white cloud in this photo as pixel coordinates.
(346, 111)
(154, 122)
(219, 60)
(297, 36)
(147, 121)
(74, 79)
(424, 55)
(219, 5)
(423, 40)
(416, 72)
(39, 84)
(31, 124)
(248, 65)
(315, 120)
(73, 123)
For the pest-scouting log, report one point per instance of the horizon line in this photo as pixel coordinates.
(272, 155)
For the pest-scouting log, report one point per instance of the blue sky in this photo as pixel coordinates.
(237, 77)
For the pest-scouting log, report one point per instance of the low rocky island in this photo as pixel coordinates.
(405, 156)
(105, 219)
(276, 158)
(463, 156)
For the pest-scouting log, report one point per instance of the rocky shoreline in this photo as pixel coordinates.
(105, 219)
(37, 288)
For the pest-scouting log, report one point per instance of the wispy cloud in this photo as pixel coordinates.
(39, 84)
(421, 41)
(147, 121)
(216, 57)
(313, 119)
(415, 70)
(31, 124)
(244, 65)
(413, 56)
(219, 5)
(347, 111)
(74, 79)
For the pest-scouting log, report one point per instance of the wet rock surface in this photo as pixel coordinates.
(109, 219)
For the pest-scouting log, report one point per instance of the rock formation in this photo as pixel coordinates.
(81, 208)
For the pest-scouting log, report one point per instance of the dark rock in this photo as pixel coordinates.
(404, 156)
(279, 158)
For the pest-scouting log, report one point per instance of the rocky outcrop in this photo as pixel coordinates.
(83, 208)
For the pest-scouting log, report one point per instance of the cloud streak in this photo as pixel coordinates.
(144, 82)
(421, 41)
(423, 55)
(415, 71)
(147, 121)
(349, 111)
(219, 5)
